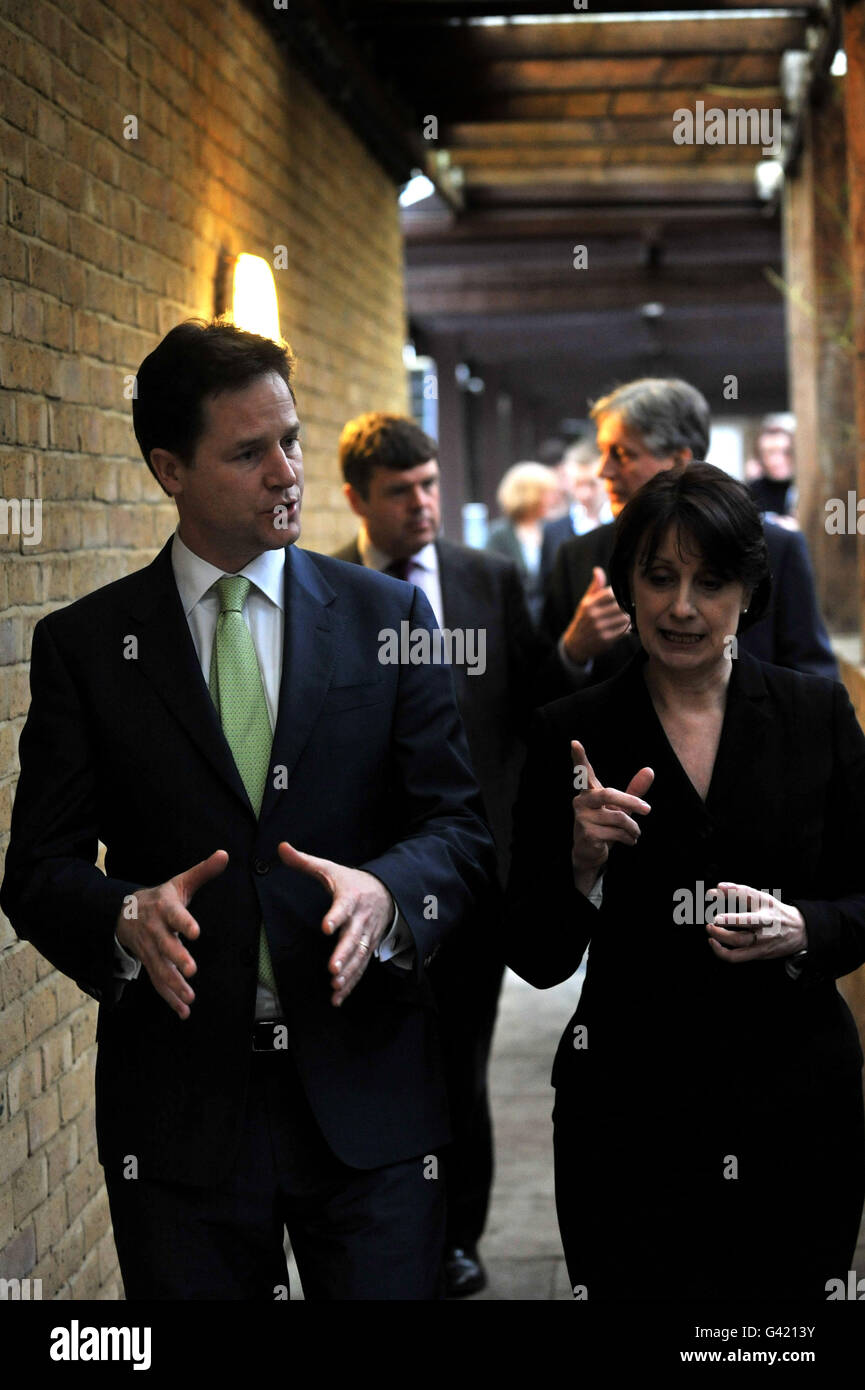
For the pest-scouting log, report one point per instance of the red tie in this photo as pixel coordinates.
(398, 568)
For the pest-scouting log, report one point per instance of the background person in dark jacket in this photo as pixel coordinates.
(644, 427)
(392, 483)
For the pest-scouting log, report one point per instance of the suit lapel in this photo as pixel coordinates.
(746, 728)
(309, 652)
(168, 660)
(457, 608)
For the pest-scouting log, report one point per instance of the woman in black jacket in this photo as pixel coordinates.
(697, 822)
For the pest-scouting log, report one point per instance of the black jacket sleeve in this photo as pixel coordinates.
(836, 926)
(52, 892)
(548, 922)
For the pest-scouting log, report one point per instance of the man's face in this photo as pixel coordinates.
(627, 463)
(588, 488)
(242, 494)
(776, 455)
(402, 512)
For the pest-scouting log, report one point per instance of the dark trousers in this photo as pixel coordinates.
(466, 980)
(355, 1234)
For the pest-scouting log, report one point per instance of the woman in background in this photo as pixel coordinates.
(708, 1120)
(525, 495)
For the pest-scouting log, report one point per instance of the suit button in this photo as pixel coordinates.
(249, 956)
(261, 866)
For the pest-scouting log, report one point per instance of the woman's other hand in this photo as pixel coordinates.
(601, 815)
(756, 926)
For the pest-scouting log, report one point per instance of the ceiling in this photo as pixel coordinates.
(553, 130)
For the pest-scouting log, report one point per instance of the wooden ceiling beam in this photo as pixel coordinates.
(552, 135)
(481, 225)
(607, 177)
(601, 74)
(600, 291)
(467, 106)
(485, 43)
(476, 163)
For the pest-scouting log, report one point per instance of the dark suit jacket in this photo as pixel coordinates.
(785, 811)
(790, 634)
(376, 775)
(556, 533)
(480, 590)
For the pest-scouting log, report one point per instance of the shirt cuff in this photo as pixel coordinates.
(398, 946)
(577, 670)
(126, 967)
(596, 896)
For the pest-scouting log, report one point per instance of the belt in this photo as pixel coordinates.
(270, 1035)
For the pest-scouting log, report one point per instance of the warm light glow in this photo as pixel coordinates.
(254, 302)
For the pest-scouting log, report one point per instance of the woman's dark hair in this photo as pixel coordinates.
(706, 507)
(194, 361)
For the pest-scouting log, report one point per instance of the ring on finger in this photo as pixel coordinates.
(363, 944)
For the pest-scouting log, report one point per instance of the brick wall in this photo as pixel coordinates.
(106, 243)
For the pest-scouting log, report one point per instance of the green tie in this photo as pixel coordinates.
(238, 693)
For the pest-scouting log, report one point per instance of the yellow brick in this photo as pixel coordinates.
(29, 1187)
(96, 1216)
(85, 1283)
(69, 1252)
(50, 1221)
(83, 1183)
(62, 1155)
(70, 997)
(76, 1091)
(43, 1119)
(40, 1009)
(17, 971)
(24, 1082)
(12, 1035)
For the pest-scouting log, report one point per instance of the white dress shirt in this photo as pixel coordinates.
(423, 569)
(264, 614)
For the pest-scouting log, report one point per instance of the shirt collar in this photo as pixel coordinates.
(373, 558)
(194, 576)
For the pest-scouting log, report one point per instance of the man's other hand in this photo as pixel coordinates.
(597, 623)
(153, 935)
(361, 911)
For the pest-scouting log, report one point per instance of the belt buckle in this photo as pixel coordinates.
(269, 1036)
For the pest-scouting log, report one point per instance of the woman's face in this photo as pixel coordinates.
(685, 613)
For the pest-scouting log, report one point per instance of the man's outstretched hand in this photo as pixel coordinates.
(153, 935)
(361, 911)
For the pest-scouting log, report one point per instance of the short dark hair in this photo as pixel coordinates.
(378, 440)
(195, 361)
(668, 414)
(707, 505)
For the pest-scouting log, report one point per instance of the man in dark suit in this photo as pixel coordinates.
(588, 510)
(392, 483)
(643, 427)
(222, 722)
